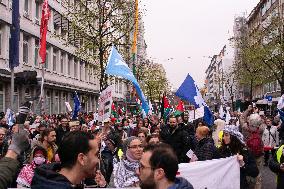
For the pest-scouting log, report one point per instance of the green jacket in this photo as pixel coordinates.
(9, 168)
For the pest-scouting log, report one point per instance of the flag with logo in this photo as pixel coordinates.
(116, 66)
(189, 91)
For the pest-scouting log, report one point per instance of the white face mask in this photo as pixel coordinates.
(39, 160)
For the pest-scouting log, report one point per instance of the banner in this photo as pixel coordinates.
(199, 113)
(68, 106)
(211, 174)
(105, 102)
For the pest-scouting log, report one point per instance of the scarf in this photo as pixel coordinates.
(124, 172)
(26, 175)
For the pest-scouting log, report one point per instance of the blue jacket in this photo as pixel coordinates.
(181, 183)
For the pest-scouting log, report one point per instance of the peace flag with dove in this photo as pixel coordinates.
(116, 66)
(189, 91)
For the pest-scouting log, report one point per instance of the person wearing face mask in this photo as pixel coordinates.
(25, 177)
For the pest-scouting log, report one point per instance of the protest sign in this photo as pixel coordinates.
(221, 173)
(105, 102)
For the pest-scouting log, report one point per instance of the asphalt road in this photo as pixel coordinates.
(268, 179)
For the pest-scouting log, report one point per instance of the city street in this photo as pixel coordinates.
(269, 179)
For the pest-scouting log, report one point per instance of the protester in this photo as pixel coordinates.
(124, 172)
(74, 125)
(233, 144)
(177, 138)
(142, 134)
(78, 154)
(158, 169)
(62, 130)
(119, 129)
(276, 165)
(153, 139)
(270, 140)
(205, 148)
(39, 157)
(3, 142)
(135, 131)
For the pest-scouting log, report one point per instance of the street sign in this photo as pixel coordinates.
(269, 98)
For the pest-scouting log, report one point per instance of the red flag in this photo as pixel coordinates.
(45, 14)
(180, 106)
(166, 102)
(113, 107)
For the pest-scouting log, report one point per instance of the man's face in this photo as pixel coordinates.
(2, 134)
(51, 137)
(268, 122)
(180, 120)
(173, 122)
(64, 122)
(145, 172)
(92, 159)
(185, 117)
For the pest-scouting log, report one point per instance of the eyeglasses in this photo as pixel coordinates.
(136, 146)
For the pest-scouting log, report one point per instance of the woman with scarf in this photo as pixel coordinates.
(124, 171)
(233, 144)
(39, 157)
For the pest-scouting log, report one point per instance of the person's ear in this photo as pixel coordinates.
(159, 174)
(81, 159)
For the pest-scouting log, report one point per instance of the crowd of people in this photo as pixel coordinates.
(53, 151)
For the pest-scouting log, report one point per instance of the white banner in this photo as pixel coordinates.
(199, 113)
(211, 174)
(105, 102)
(68, 106)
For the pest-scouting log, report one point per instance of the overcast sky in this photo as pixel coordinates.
(180, 29)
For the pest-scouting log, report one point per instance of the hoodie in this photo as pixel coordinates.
(47, 177)
(181, 183)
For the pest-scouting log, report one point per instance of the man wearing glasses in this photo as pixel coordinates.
(158, 169)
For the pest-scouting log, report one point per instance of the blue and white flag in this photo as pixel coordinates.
(117, 67)
(189, 91)
(77, 106)
(10, 117)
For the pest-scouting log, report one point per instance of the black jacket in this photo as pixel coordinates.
(275, 167)
(47, 177)
(206, 150)
(178, 139)
(250, 167)
(9, 169)
(60, 133)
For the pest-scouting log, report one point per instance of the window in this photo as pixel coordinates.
(2, 97)
(75, 68)
(56, 103)
(1, 41)
(120, 87)
(69, 65)
(81, 70)
(26, 49)
(54, 63)
(26, 8)
(37, 12)
(48, 103)
(62, 63)
(27, 93)
(86, 72)
(36, 51)
(46, 58)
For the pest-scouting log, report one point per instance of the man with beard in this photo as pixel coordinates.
(158, 169)
(176, 136)
(78, 154)
(62, 130)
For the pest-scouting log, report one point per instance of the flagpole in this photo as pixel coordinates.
(12, 88)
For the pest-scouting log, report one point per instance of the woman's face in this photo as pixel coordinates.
(226, 138)
(142, 137)
(136, 149)
(140, 124)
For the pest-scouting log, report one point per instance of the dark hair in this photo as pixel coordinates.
(39, 148)
(235, 145)
(46, 132)
(72, 144)
(142, 131)
(164, 157)
(149, 137)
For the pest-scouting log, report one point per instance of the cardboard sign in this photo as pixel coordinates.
(105, 102)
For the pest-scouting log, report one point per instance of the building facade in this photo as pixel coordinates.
(64, 72)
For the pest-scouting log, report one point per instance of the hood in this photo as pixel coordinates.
(182, 183)
(46, 176)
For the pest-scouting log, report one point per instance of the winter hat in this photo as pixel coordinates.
(233, 130)
(113, 138)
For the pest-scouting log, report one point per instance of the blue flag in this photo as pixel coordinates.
(77, 106)
(15, 36)
(189, 91)
(117, 67)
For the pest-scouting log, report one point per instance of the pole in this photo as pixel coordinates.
(12, 88)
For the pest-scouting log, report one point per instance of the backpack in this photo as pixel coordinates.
(255, 144)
